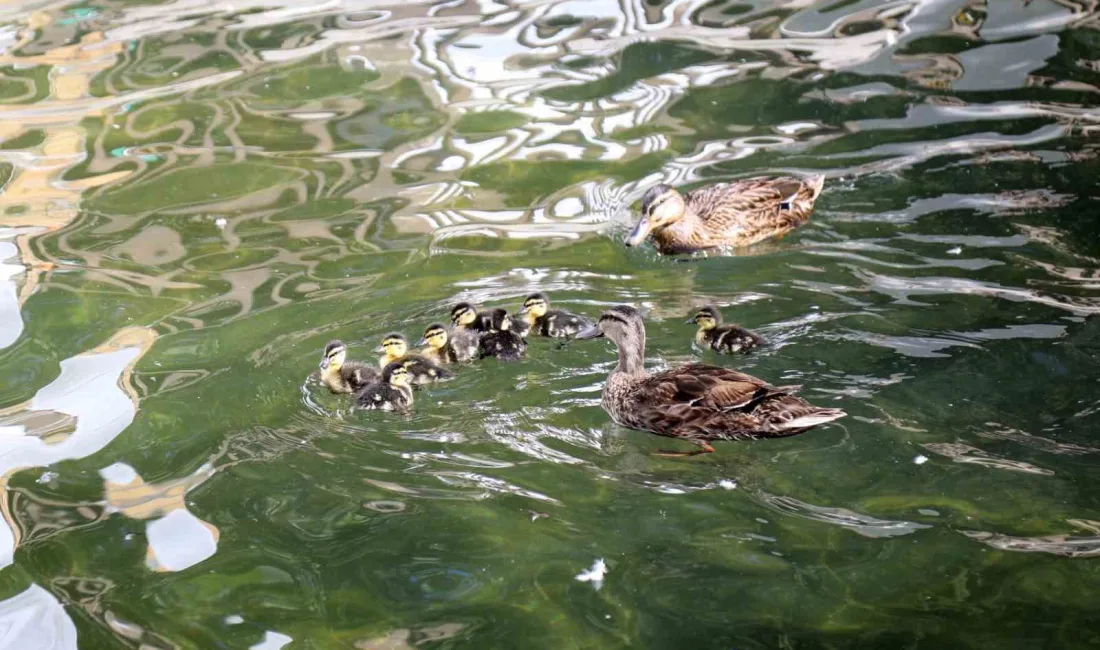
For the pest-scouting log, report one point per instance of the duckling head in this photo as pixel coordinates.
(396, 374)
(332, 359)
(535, 307)
(500, 320)
(435, 337)
(662, 206)
(707, 318)
(393, 347)
(463, 314)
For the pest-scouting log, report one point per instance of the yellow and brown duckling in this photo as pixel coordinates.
(723, 339)
(728, 215)
(466, 329)
(555, 323)
(696, 402)
(436, 346)
(395, 348)
(501, 341)
(341, 375)
(391, 392)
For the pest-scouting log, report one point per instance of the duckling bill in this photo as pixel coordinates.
(340, 375)
(727, 215)
(554, 323)
(723, 339)
(395, 348)
(391, 392)
(696, 403)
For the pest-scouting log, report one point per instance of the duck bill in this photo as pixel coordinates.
(690, 321)
(325, 363)
(380, 348)
(590, 332)
(422, 342)
(523, 312)
(640, 232)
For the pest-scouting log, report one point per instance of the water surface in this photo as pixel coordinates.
(197, 196)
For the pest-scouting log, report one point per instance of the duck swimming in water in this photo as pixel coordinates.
(395, 348)
(723, 339)
(555, 323)
(391, 392)
(340, 375)
(436, 346)
(696, 402)
(501, 341)
(466, 329)
(728, 215)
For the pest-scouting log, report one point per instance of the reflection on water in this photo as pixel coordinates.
(216, 189)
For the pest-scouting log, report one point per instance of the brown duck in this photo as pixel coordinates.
(729, 215)
(696, 402)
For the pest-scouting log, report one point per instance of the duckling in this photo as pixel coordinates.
(554, 323)
(390, 393)
(696, 402)
(725, 215)
(466, 328)
(343, 376)
(723, 339)
(421, 371)
(501, 342)
(436, 347)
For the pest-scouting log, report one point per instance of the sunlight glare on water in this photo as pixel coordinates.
(196, 196)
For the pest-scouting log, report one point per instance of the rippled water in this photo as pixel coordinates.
(198, 195)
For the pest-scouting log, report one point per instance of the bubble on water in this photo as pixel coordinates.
(920, 459)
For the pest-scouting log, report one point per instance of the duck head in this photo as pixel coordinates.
(499, 320)
(535, 307)
(463, 314)
(332, 359)
(435, 337)
(393, 347)
(624, 326)
(707, 318)
(396, 374)
(662, 206)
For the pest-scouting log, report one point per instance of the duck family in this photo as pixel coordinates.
(697, 403)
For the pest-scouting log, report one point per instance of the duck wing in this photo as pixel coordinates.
(708, 403)
(359, 375)
(767, 205)
(424, 370)
(709, 387)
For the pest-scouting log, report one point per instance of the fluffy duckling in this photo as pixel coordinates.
(555, 323)
(436, 346)
(696, 402)
(501, 341)
(395, 348)
(390, 393)
(340, 375)
(466, 329)
(727, 215)
(723, 339)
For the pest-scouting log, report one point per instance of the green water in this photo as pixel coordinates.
(196, 198)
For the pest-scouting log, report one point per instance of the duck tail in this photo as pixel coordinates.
(812, 419)
(815, 184)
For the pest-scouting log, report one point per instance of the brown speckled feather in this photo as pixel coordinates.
(699, 402)
(741, 213)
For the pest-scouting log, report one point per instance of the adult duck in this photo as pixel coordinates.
(697, 403)
(727, 215)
